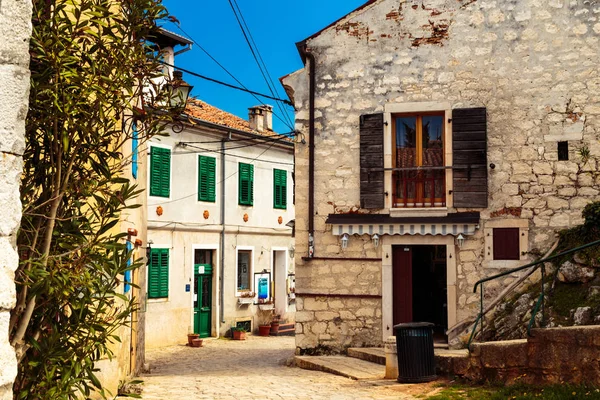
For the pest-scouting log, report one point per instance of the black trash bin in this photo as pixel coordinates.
(414, 343)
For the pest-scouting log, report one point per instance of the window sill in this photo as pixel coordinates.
(419, 212)
(159, 300)
(245, 300)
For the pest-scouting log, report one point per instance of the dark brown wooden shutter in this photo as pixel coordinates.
(372, 191)
(506, 244)
(469, 154)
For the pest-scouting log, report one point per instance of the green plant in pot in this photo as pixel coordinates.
(238, 333)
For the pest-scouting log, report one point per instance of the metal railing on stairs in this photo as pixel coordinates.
(540, 301)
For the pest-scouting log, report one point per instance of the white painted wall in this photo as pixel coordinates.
(182, 228)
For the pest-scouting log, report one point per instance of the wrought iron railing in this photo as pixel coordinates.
(540, 301)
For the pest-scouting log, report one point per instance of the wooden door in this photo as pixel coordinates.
(402, 284)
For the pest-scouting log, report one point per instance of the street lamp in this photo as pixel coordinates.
(345, 239)
(179, 90)
(460, 239)
(375, 239)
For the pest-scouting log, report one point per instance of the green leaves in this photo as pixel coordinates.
(88, 60)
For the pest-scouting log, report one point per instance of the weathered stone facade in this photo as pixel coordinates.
(533, 64)
(15, 25)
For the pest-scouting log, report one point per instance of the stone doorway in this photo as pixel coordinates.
(420, 286)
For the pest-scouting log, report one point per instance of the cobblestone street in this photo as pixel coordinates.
(251, 369)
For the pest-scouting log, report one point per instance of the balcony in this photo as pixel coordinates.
(419, 187)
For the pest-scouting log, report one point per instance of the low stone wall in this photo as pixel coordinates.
(549, 356)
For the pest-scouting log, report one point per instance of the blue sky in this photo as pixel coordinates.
(276, 25)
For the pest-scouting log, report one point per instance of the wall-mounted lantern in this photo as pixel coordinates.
(292, 251)
(375, 239)
(460, 240)
(179, 90)
(345, 239)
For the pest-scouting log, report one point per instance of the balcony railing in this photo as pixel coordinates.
(419, 187)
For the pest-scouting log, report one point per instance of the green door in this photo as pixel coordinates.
(202, 299)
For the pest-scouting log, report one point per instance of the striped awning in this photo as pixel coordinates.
(405, 229)
(381, 224)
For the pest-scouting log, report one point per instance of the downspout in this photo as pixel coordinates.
(311, 153)
(222, 282)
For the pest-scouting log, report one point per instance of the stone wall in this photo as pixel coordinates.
(550, 356)
(15, 27)
(532, 63)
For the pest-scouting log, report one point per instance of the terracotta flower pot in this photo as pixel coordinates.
(238, 335)
(264, 330)
(196, 342)
(191, 337)
(274, 328)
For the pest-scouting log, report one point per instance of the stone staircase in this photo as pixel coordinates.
(286, 329)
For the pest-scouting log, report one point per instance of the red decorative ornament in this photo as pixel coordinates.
(245, 217)
(159, 211)
(280, 220)
(206, 214)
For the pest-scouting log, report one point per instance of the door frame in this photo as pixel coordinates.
(215, 326)
(274, 275)
(387, 288)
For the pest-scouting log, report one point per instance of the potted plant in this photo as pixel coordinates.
(238, 333)
(275, 325)
(264, 323)
(246, 298)
(191, 337)
(197, 342)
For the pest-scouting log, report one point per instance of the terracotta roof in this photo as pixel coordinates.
(204, 111)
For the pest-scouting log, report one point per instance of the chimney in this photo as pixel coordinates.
(261, 118)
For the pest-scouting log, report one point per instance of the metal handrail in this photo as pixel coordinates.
(540, 301)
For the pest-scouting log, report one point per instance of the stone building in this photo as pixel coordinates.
(15, 23)
(219, 200)
(447, 140)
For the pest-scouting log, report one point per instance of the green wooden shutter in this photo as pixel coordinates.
(158, 274)
(246, 184)
(206, 178)
(160, 172)
(279, 189)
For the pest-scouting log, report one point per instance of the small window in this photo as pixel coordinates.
(563, 151)
(244, 270)
(279, 189)
(506, 244)
(206, 178)
(160, 172)
(134, 151)
(246, 184)
(158, 274)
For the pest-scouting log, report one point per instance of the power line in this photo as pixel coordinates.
(220, 182)
(245, 139)
(204, 150)
(227, 84)
(232, 76)
(252, 45)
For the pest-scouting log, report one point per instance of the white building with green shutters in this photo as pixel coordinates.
(220, 203)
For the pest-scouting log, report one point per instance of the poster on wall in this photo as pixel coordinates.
(262, 283)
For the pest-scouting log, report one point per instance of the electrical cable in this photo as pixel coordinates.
(220, 182)
(232, 76)
(252, 45)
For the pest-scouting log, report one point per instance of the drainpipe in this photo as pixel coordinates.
(311, 153)
(222, 282)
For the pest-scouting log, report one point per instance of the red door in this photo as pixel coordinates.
(402, 281)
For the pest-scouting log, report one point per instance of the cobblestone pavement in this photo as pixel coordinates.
(251, 369)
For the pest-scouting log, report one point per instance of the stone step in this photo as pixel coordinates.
(286, 330)
(372, 354)
(348, 367)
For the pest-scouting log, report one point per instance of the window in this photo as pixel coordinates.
(506, 244)
(563, 151)
(134, 151)
(160, 172)
(246, 184)
(419, 143)
(206, 178)
(244, 266)
(158, 274)
(279, 189)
